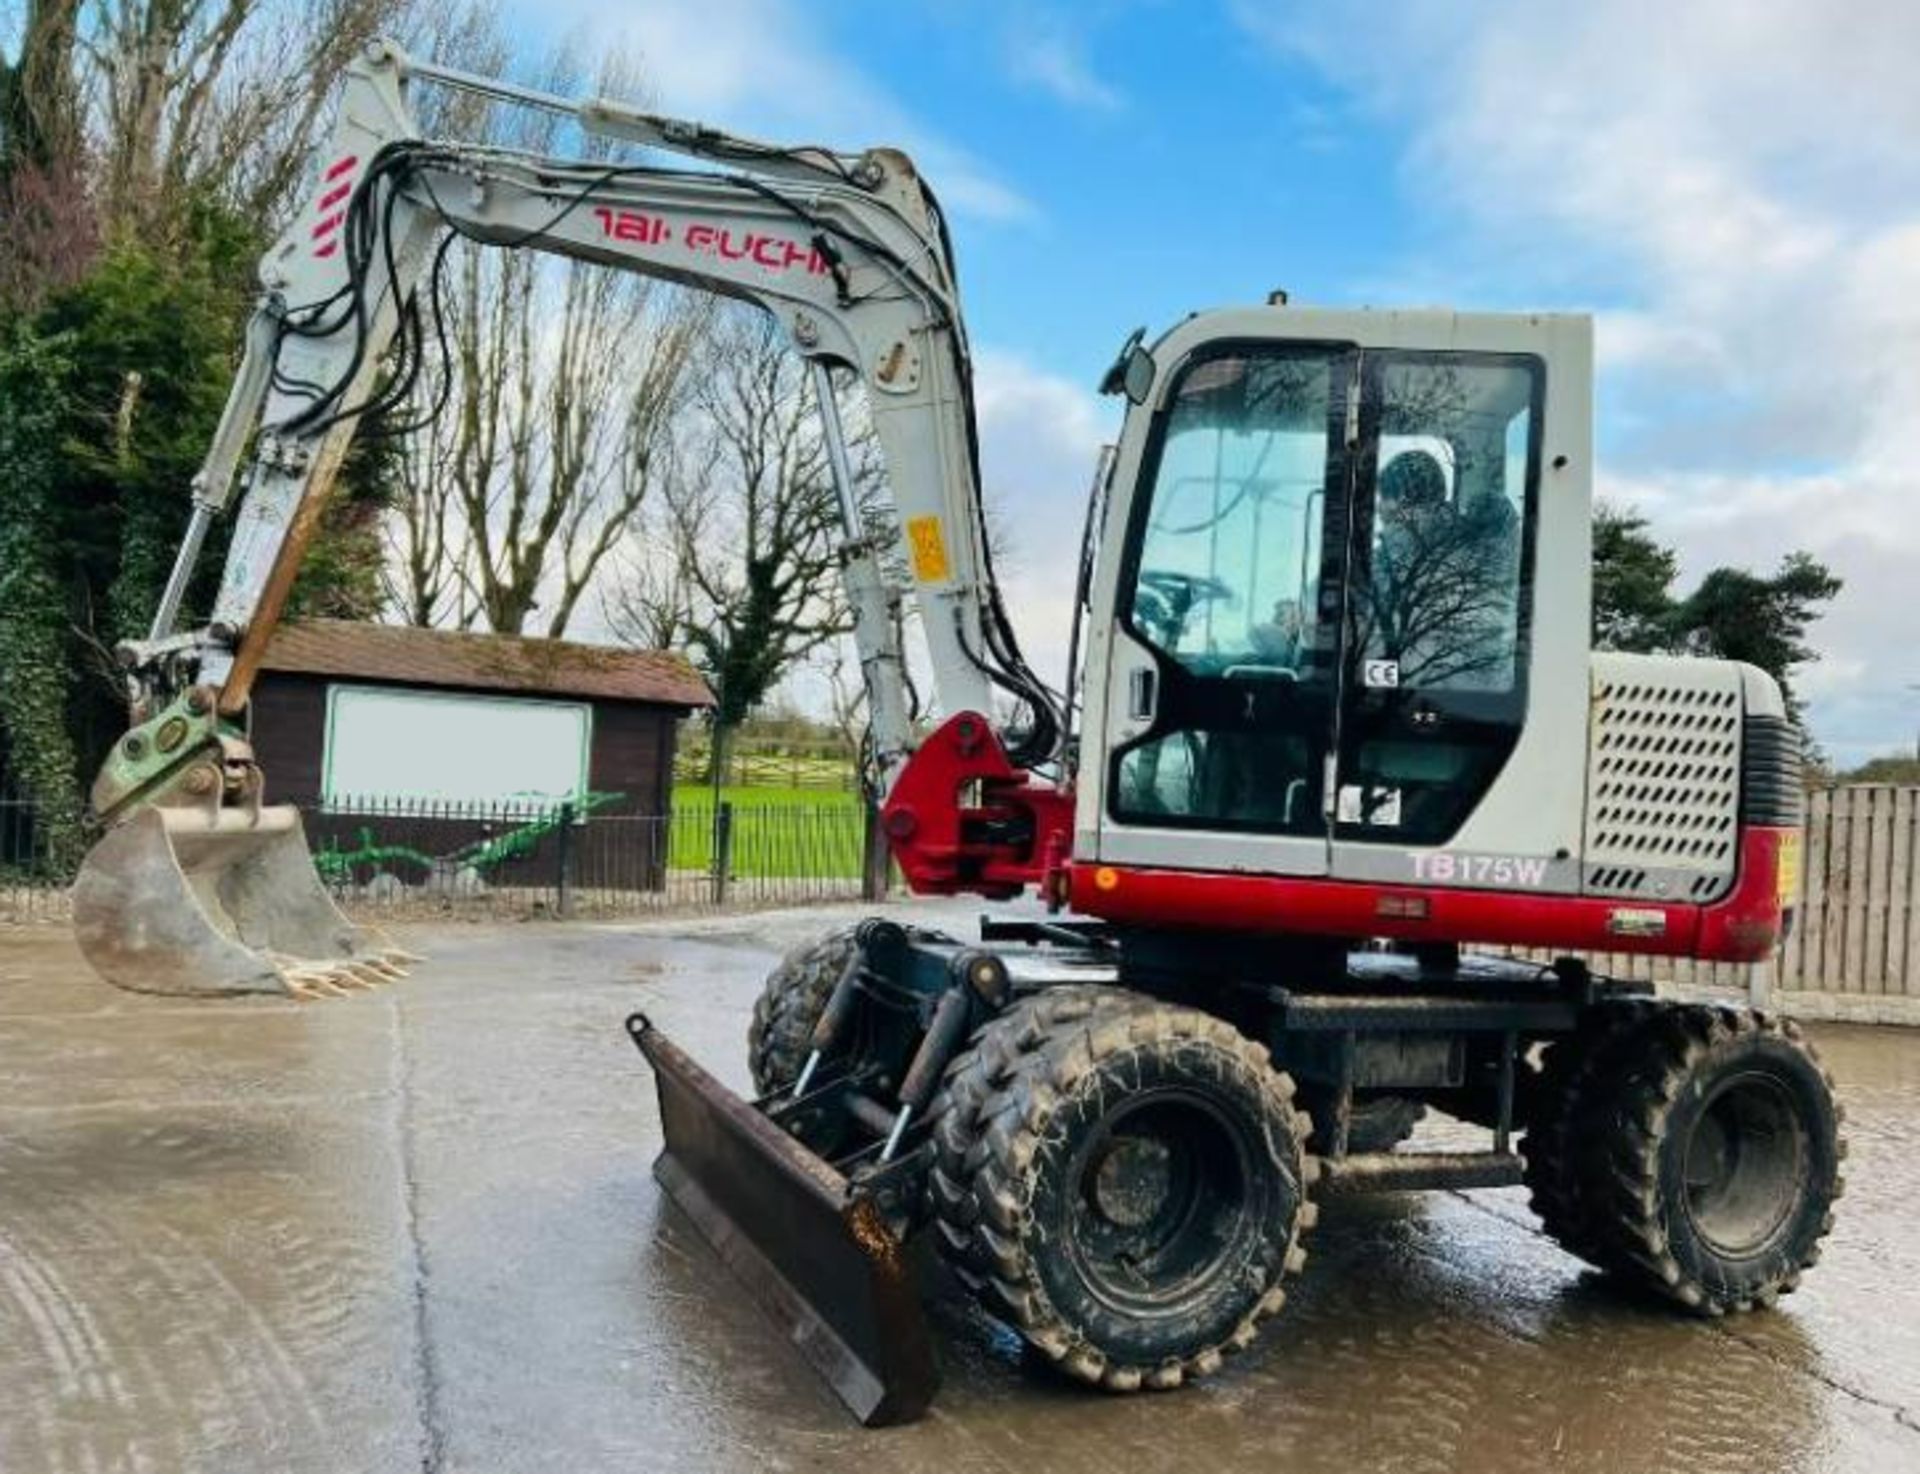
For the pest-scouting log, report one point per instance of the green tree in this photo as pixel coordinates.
(1632, 582)
(1902, 768)
(147, 152)
(151, 339)
(1732, 614)
(36, 679)
(1738, 615)
(114, 387)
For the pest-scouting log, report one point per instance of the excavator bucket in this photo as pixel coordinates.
(217, 903)
(812, 1248)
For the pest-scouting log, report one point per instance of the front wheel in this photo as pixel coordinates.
(791, 1001)
(1125, 1183)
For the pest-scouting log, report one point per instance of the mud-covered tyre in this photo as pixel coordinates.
(1555, 1099)
(790, 1003)
(1378, 1124)
(1124, 1182)
(1711, 1157)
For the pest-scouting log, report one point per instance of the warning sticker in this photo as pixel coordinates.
(929, 546)
(1787, 867)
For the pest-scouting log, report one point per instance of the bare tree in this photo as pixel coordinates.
(565, 381)
(49, 232)
(220, 95)
(740, 562)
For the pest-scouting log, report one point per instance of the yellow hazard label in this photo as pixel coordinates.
(929, 546)
(1786, 868)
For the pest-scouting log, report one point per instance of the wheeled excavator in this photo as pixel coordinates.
(1333, 719)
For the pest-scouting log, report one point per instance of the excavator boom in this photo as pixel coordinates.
(848, 251)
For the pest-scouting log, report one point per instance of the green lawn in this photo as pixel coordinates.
(766, 770)
(776, 831)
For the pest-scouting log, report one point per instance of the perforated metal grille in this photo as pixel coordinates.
(1663, 778)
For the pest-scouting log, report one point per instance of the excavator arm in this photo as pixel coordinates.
(849, 252)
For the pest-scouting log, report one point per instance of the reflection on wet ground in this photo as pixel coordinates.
(416, 1230)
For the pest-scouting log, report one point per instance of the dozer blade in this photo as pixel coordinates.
(813, 1250)
(212, 904)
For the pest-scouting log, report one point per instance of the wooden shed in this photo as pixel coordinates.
(348, 714)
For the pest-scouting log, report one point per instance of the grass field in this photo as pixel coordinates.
(763, 771)
(777, 831)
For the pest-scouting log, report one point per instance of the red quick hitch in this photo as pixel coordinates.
(963, 819)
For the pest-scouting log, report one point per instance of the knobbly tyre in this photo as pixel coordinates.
(1334, 696)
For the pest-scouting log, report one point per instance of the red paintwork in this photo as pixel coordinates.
(340, 166)
(960, 785)
(940, 839)
(1740, 927)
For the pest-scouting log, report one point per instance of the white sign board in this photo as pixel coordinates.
(384, 745)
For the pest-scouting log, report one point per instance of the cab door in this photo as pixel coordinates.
(1224, 670)
(1434, 683)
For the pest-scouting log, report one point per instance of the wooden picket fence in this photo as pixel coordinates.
(1854, 951)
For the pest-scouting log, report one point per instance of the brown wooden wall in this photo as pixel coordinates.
(632, 752)
(289, 735)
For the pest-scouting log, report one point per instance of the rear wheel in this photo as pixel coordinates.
(1710, 1159)
(1123, 1182)
(1557, 1100)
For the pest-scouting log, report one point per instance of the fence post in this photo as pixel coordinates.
(722, 849)
(876, 868)
(563, 887)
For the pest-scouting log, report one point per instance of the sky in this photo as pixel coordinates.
(1731, 186)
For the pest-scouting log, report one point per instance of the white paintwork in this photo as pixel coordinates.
(901, 333)
(1663, 776)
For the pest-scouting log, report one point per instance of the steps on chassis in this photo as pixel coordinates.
(1118, 1142)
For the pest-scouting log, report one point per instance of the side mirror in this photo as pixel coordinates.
(1133, 370)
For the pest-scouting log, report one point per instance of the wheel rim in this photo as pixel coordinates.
(1159, 1207)
(1745, 1164)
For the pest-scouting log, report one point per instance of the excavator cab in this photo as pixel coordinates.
(1317, 647)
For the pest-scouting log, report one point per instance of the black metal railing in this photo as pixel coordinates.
(32, 881)
(583, 857)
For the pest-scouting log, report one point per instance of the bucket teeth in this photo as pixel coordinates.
(308, 980)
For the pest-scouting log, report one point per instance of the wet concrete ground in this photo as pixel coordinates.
(416, 1230)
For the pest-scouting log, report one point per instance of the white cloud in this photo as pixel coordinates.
(1040, 436)
(1744, 181)
(759, 66)
(1043, 52)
